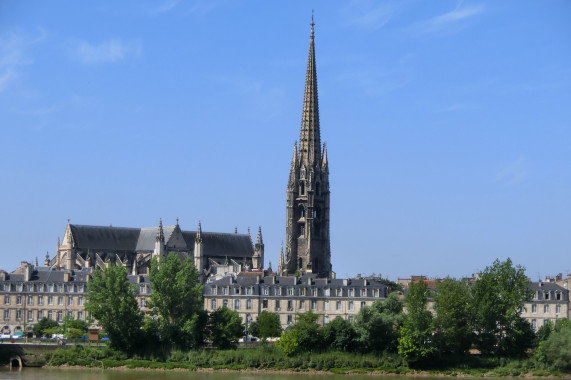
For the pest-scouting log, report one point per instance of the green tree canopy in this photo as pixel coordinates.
(176, 301)
(415, 343)
(497, 298)
(453, 323)
(556, 349)
(225, 327)
(43, 325)
(112, 301)
(378, 326)
(267, 325)
(340, 335)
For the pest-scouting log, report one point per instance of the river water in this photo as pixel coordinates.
(81, 374)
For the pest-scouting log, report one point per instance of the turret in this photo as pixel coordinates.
(199, 259)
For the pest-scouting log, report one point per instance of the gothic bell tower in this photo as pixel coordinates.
(307, 213)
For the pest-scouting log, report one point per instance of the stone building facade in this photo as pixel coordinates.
(307, 206)
(251, 293)
(550, 301)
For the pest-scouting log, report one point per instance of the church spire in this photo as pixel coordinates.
(310, 140)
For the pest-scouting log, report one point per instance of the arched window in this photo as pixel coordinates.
(302, 188)
(301, 211)
(316, 212)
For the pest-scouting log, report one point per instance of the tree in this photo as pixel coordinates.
(112, 301)
(453, 329)
(176, 301)
(288, 343)
(556, 349)
(339, 334)
(378, 326)
(415, 343)
(74, 328)
(497, 298)
(44, 324)
(309, 334)
(225, 327)
(267, 325)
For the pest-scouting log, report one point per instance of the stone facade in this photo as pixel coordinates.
(549, 302)
(251, 293)
(307, 205)
(31, 293)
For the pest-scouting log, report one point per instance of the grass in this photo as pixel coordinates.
(269, 357)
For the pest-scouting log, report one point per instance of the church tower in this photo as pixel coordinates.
(307, 213)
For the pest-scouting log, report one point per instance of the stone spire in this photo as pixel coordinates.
(159, 241)
(307, 247)
(309, 139)
(199, 233)
(160, 234)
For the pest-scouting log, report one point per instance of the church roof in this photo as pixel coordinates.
(221, 244)
(215, 244)
(105, 238)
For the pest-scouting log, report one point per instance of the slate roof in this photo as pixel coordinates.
(103, 238)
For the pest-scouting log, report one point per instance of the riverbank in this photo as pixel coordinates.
(258, 371)
(269, 360)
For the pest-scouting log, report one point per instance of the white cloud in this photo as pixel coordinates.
(370, 16)
(110, 51)
(12, 55)
(165, 7)
(452, 21)
(512, 173)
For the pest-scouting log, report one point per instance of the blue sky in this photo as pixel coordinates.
(448, 125)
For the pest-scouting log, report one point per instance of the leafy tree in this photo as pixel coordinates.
(225, 327)
(497, 298)
(266, 325)
(74, 328)
(176, 301)
(44, 324)
(378, 326)
(544, 331)
(111, 300)
(556, 349)
(309, 334)
(288, 343)
(339, 334)
(453, 329)
(415, 343)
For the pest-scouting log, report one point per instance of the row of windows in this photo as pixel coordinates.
(313, 292)
(545, 308)
(547, 295)
(39, 314)
(44, 288)
(312, 304)
(40, 300)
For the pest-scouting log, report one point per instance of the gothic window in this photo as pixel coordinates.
(316, 212)
(317, 188)
(301, 211)
(302, 188)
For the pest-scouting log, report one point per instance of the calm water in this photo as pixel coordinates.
(73, 374)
